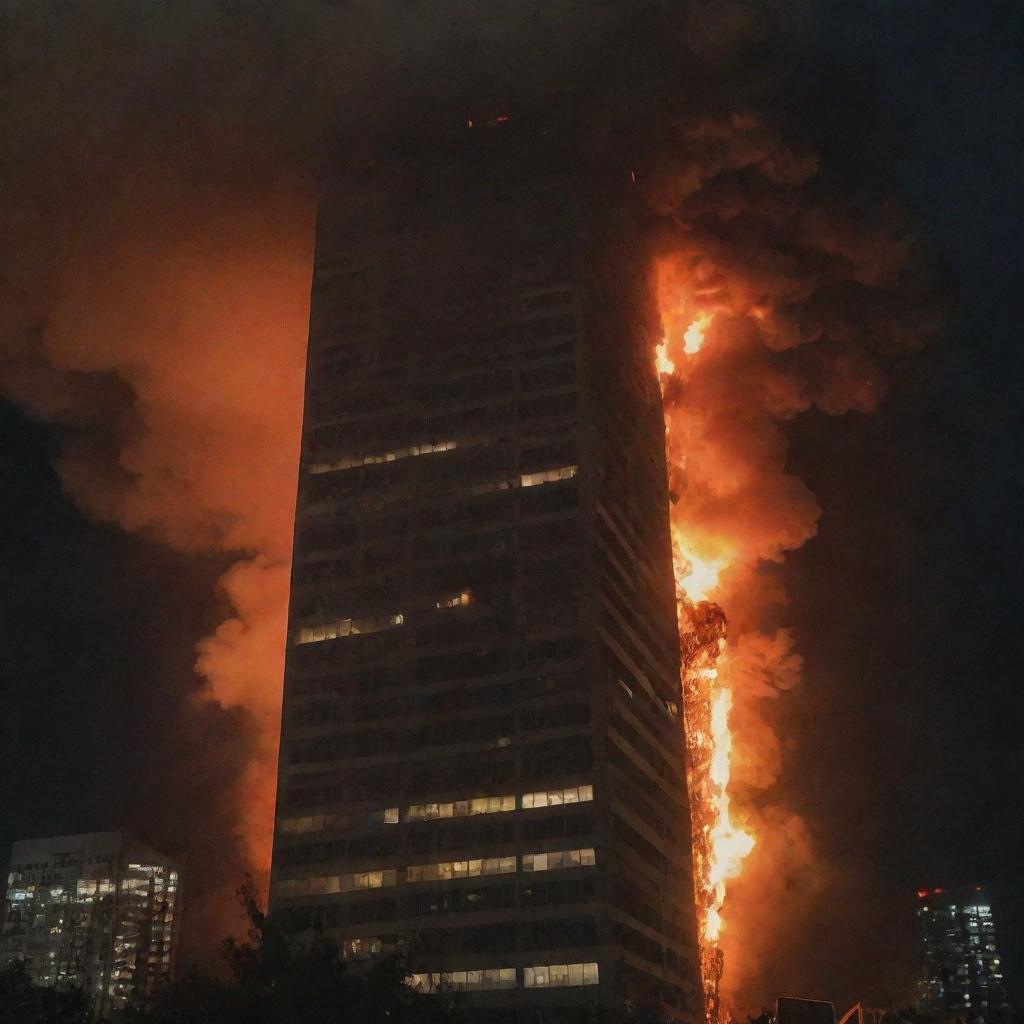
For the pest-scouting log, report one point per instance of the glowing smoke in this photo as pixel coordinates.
(157, 273)
(775, 299)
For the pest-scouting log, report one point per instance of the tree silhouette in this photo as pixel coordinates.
(273, 981)
(24, 1002)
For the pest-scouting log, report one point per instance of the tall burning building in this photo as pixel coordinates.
(961, 971)
(482, 755)
(98, 910)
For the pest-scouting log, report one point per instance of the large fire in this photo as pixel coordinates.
(719, 845)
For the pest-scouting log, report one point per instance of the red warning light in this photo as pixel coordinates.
(922, 893)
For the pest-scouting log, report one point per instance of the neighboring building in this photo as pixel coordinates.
(97, 910)
(961, 972)
(482, 761)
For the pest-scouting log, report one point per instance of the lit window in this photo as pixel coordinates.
(547, 476)
(558, 859)
(353, 461)
(367, 880)
(460, 808)
(352, 949)
(561, 975)
(428, 812)
(459, 600)
(320, 885)
(557, 797)
(383, 816)
(447, 870)
(347, 627)
(464, 981)
(313, 823)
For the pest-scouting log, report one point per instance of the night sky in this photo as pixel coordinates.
(904, 740)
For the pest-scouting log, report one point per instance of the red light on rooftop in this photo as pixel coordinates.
(922, 893)
(935, 892)
(501, 118)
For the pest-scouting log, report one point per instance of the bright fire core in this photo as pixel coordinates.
(719, 846)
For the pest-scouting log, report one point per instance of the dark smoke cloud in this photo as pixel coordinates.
(160, 182)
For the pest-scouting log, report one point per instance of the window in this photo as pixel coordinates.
(547, 476)
(454, 600)
(312, 823)
(465, 981)
(354, 949)
(347, 627)
(558, 859)
(460, 869)
(460, 808)
(561, 975)
(557, 797)
(352, 461)
(320, 885)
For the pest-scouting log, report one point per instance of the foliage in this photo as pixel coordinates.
(24, 1002)
(274, 982)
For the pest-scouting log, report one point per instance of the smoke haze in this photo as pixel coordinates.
(160, 174)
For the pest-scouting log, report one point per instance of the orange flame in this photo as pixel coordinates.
(696, 575)
(693, 336)
(729, 844)
(661, 360)
(719, 845)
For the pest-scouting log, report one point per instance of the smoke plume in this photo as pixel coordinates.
(778, 296)
(160, 174)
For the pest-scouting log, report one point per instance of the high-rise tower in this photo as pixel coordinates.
(961, 971)
(482, 753)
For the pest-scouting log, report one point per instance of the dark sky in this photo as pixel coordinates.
(905, 739)
(908, 604)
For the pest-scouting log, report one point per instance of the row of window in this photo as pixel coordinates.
(454, 869)
(433, 811)
(488, 979)
(358, 541)
(501, 658)
(558, 859)
(460, 808)
(347, 627)
(558, 797)
(326, 822)
(352, 461)
(320, 885)
(441, 549)
(546, 476)
(538, 976)
(483, 411)
(561, 975)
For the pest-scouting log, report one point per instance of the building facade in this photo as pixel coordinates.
(482, 761)
(961, 970)
(98, 910)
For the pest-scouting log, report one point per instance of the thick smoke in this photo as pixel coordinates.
(160, 175)
(160, 171)
(803, 294)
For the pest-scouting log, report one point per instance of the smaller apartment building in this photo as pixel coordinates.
(97, 910)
